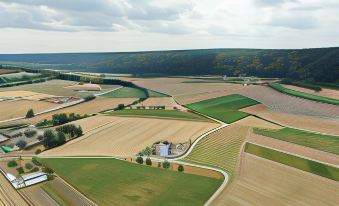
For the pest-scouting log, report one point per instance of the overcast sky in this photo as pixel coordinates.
(36, 26)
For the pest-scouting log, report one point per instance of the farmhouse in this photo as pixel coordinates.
(162, 149)
(27, 180)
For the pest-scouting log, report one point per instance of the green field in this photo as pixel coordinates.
(294, 161)
(224, 108)
(327, 143)
(166, 114)
(113, 182)
(292, 92)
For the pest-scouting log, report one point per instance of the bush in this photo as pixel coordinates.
(30, 113)
(40, 137)
(28, 166)
(89, 98)
(147, 151)
(140, 160)
(47, 170)
(180, 168)
(20, 170)
(159, 164)
(30, 133)
(12, 163)
(36, 162)
(35, 169)
(121, 107)
(21, 144)
(166, 164)
(148, 161)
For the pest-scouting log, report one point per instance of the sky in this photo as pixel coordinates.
(45, 26)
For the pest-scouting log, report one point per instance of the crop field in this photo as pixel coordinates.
(8, 195)
(57, 88)
(327, 143)
(279, 102)
(288, 147)
(152, 113)
(115, 182)
(7, 71)
(264, 182)
(294, 161)
(97, 105)
(224, 108)
(329, 93)
(168, 102)
(126, 136)
(221, 149)
(19, 108)
(296, 93)
(313, 123)
(129, 92)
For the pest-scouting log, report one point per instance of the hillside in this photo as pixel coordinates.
(321, 65)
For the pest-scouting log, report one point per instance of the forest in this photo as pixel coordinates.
(311, 65)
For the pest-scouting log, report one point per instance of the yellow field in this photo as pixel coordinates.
(85, 87)
(14, 109)
(264, 182)
(8, 195)
(168, 102)
(125, 136)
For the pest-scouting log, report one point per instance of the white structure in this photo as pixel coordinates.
(162, 149)
(27, 180)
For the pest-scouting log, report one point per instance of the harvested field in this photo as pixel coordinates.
(14, 109)
(330, 93)
(223, 108)
(168, 102)
(8, 195)
(57, 88)
(251, 121)
(84, 87)
(325, 125)
(116, 182)
(294, 148)
(7, 71)
(158, 113)
(125, 137)
(307, 165)
(37, 196)
(90, 107)
(279, 102)
(264, 182)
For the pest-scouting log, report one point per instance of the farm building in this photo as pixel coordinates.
(27, 180)
(162, 149)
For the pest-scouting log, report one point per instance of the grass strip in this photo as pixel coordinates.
(294, 161)
(327, 143)
(292, 92)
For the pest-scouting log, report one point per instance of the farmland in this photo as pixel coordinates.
(115, 182)
(7, 71)
(224, 108)
(264, 182)
(14, 109)
(126, 136)
(329, 93)
(321, 142)
(313, 97)
(167, 102)
(294, 161)
(306, 122)
(170, 114)
(129, 92)
(57, 88)
(221, 149)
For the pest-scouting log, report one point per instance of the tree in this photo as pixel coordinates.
(30, 113)
(180, 168)
(140, 160)
(38, 151)
(121, 106)
(59, 119)
(61, 138)
(148, 161)
(78, 131)
(21, 144)
(49, 139)
(166, 164)
(12, 163)
(147, 151)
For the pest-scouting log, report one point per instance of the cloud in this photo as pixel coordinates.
(272, 3)
(294, 22)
